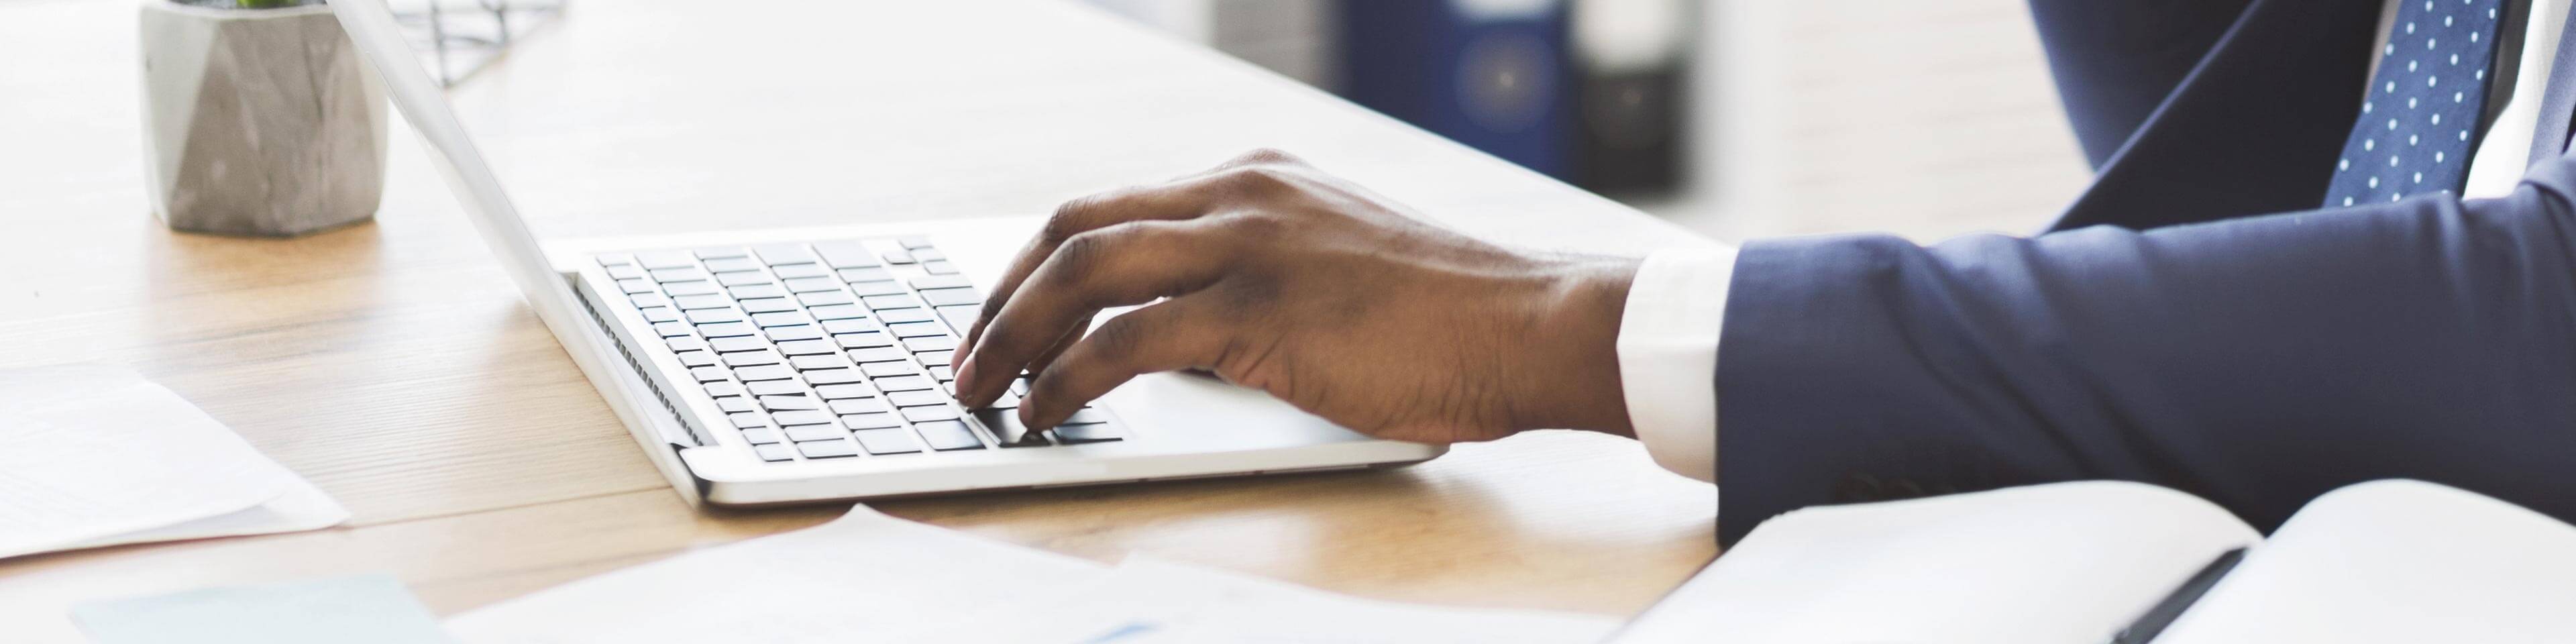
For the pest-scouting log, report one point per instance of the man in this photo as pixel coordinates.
(2166, 330)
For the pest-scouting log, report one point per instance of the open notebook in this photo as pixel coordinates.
(2386, 561)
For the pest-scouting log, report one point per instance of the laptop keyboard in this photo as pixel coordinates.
(831, 350)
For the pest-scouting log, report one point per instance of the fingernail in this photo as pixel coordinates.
(966, 382)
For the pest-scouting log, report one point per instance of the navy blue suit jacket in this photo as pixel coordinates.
(2191, 321)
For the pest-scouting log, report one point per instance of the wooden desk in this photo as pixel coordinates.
(394, 365)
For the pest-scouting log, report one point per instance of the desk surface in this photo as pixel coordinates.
(394, 365)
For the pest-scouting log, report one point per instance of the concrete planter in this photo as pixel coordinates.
(258, 121)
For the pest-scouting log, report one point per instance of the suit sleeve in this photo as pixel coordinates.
(2255, 362)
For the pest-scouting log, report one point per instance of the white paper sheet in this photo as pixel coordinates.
(2066, 562)
(863, 577)
(1150, 601)
(96, 455)
(2397, 561)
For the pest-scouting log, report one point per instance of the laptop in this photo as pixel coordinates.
(764, 367)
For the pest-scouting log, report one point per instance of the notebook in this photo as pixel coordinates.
(2385, 561)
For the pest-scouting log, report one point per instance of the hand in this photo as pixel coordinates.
(1288, 280)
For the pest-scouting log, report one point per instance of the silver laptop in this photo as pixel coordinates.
(779, 366)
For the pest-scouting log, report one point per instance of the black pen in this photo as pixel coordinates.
(2163, 614)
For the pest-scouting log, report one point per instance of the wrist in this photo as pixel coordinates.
(1571, 375)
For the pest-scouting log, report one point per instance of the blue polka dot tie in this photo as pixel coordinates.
(2419, 123)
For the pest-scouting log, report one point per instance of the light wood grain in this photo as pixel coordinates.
(394, 365)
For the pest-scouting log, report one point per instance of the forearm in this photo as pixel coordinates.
(2256, 362)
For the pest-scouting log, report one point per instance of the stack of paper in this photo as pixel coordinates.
(870, 577)
(99, 456)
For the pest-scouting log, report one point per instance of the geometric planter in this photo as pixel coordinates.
(258, 121)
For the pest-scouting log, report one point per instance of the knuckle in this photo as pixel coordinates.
(1068, 218)
(1262, 155)
(1117, 339)
(1258, 181)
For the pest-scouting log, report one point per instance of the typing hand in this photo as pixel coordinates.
(1286, 279)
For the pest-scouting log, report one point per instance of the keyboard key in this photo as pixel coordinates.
(865, 275)
(928, 255)
(628, 272)
(936, 358)
(1086, 433)
(837, 327)
(1007, 400)
(820, 298)
(916, 398)
(930, 343)
(832, 376)
(808, 348)
(947, 435)
(871, 421)
(786, 333)
(809, 363)
(891, 316)
(794, 271)
(905, 383)
(864, 339)
(648, 300)
(913, 329)
(779, 319)
(1020, 385)
(790, 403)
(1005, 426)
(942, 371)
(696, 358)
(723, 389)
(891, 301)
(843, 392)
(827, 449)
(732, 265)
(859, 406)
(659, 314)
(726, 329)
(695, 302)
(721, 252)
(757, 291)
(634, 286)
(760, 435)
(846, 254)
(741, 279)
(802, 433)
(668, 275)
(801, 417)
(767, 305)
(952, 296)
(839, 312)
(712, 316)
(686, 343)
(883, 369)
(732, 404)
(914, 241)
(1087, 415)
(940, 267)
(690, 288)
(732, 344)
(775, 388)
(927, 282)
(747, 419)
(777, 254)
(620, 259)
(961, 317)
(876, 354)
(811, 284)
(926, 414)
(774, 452)
(891, 440)
(896, 257)
(764, 372)
(665, 259)
(882, 287)
(708, 374)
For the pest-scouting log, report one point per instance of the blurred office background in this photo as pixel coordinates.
(1737, 118)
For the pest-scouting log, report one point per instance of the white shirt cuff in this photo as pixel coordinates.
(1668, 355)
